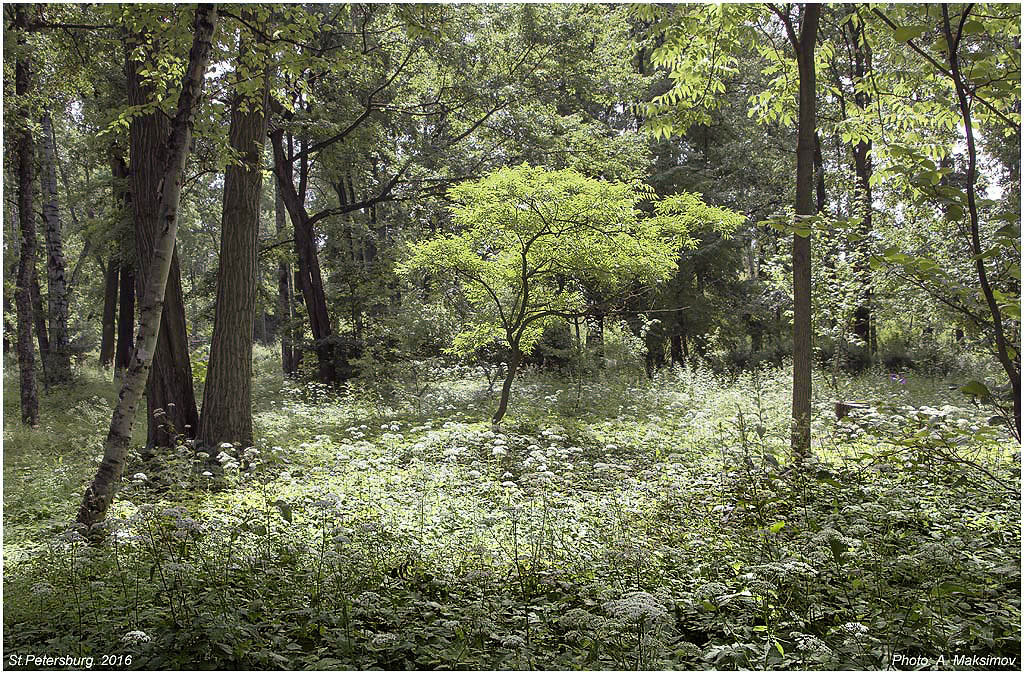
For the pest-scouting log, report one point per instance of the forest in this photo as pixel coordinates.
(512, 336)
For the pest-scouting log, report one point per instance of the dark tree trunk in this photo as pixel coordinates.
(110, 280)
(59, 370)
(506, 388)
(677, 351)
(25, 149)
(227, 400)
(803, 46)
(100, 492)
(124, 265)
(39, 319)
(285, 311)
(311, 278)
(863, 170)
(170, 399)
(125, 320)
(595, 336)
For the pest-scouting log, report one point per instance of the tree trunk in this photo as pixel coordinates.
(285, 312)
(170, 399)
(862, 169)
(39, 319)
(677, 351)
(100, 492)
(506, 388)
(125, 321)
(125, 265)
(1010, 365)
(804, 48)
(227, 399)
(59, 371)
(820, 194)
(311, 278)
(110, 280)
(595, 337)
(25, 148)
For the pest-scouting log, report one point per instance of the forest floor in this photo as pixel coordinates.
(609, 523)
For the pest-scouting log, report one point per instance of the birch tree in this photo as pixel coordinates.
(100, 492)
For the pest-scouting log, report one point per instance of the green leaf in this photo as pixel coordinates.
(905, 33)
(776, 527)
(973, 27)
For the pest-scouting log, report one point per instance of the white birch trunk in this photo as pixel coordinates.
(100, 492)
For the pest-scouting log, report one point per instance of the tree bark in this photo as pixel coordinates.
(25, 148)
(39, 319)
(862, 169)
(59, 370)
(227, 399)
(311, 278)
(110, 280)
(1010, 365)
(170, 398)
(285, 311)
(100, 492)
(125, 320)
(804, 48)
(506, 388)
(676, 350)
(124, 258)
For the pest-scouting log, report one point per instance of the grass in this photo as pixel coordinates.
(614, 523)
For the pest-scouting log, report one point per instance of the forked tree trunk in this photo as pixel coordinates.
(170, 399)
(24, 148)
(310, 276)
(100, 492)
(110, 278)
(227, 400)
(59, 371)
(804, 48)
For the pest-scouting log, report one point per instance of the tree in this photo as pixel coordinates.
(25, 149)
(699, 66)
(529, 241)
(803, 48)
(107, 328)
(170, 399)
(58, 370)
(978, 53)
(100, 492)
(227, 400)
(285, 297)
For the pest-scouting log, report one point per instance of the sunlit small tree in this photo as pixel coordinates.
(528, 240)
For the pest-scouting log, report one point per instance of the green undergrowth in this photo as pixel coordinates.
(613, 523)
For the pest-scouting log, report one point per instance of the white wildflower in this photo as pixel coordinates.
(635, 607)
(135, 637)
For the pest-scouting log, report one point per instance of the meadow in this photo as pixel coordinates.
(611, 522)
